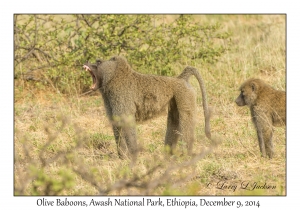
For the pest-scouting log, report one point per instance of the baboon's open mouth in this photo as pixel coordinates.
(87, 68)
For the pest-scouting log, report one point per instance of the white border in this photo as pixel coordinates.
(8, 201)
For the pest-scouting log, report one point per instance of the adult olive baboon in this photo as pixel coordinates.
(267, 107)
(131, 97)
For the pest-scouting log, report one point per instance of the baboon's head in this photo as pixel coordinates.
(249, 92)
(103, 71)
(92, 68)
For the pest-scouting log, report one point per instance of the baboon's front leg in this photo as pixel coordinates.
(264, 133)
(120, 141)
(126, 141)
(131, 141)
(268, 135)
(261, 142)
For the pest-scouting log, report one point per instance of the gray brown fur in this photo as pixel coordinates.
(268, 109)
(131, 95)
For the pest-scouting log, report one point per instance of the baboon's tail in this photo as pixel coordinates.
(187, 72)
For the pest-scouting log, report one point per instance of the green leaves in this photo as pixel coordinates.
(151, 43)
(47, 184)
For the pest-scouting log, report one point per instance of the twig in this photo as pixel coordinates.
(88, 92)
(246, 148)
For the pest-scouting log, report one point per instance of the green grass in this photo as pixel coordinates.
(81, 137)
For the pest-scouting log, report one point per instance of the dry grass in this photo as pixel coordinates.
(258, 51)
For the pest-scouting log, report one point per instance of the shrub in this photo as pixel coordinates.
(52, 48)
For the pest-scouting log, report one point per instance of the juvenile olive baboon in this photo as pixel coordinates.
(267, 107)
(131, 97)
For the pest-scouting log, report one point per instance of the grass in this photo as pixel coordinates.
(78, 136)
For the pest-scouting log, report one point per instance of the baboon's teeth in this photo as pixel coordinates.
(86, 68)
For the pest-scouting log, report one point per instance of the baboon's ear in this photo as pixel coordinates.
(113, 58)
(98, 61)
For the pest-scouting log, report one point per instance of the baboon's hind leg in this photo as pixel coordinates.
(187, 118)
(187, 127)
(173, 132)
